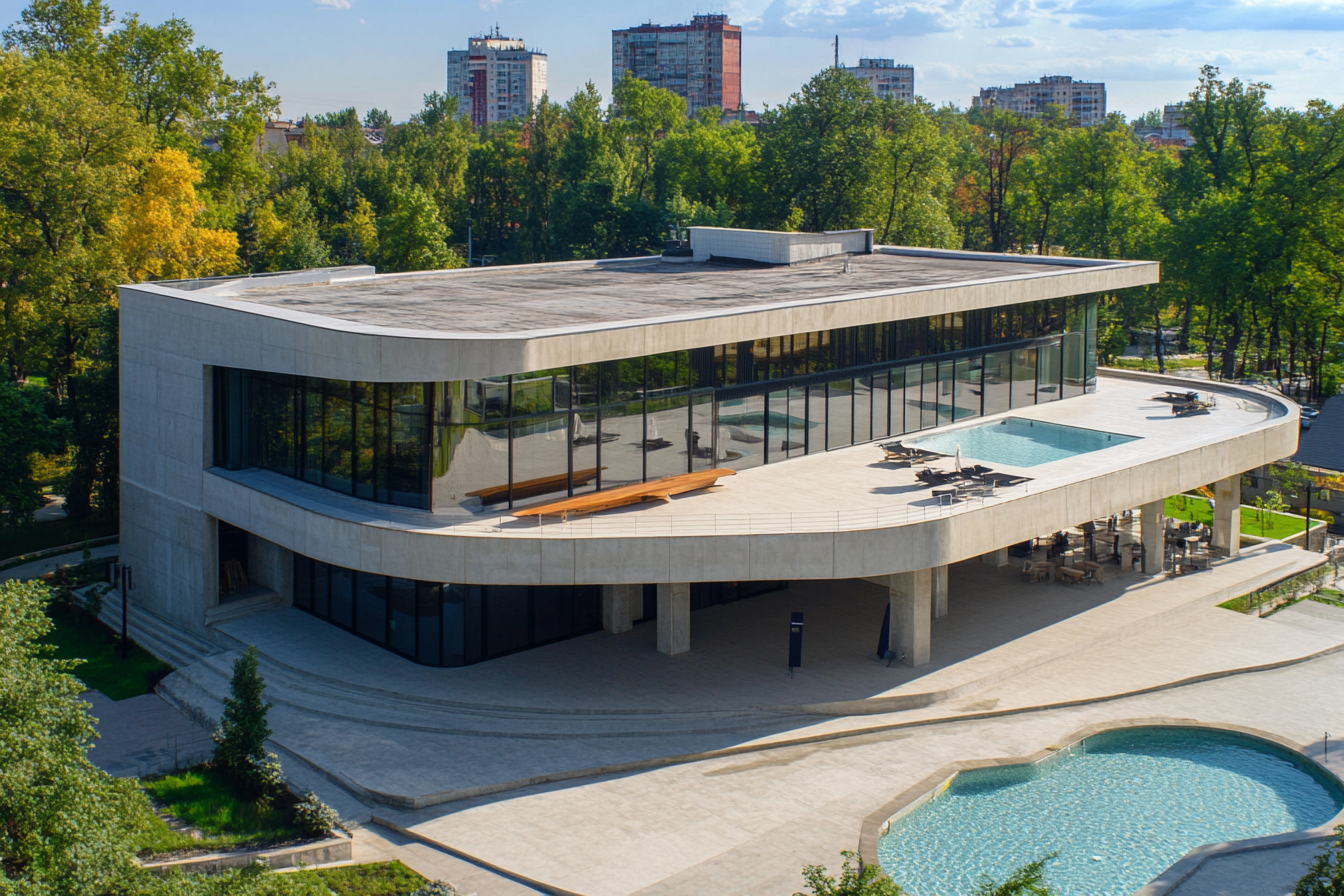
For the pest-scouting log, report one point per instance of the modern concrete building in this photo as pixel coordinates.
(701, 61)
(496, 78)
(357, 444)
(1084, 100)
(887, 79)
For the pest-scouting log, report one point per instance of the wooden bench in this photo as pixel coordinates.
(657, 490)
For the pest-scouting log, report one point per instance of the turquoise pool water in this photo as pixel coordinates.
(1020, 442)
(1119, 808)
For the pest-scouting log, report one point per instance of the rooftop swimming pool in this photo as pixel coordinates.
(1119, 808)
(1020, 442)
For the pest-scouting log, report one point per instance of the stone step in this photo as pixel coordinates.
(161, 637)
(260, 602)
(200, 689)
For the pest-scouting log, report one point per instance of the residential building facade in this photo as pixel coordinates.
(700, 61)
(887, 79)
(1084, 101)
(496, 78)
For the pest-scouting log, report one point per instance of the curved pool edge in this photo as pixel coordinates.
(912, 797)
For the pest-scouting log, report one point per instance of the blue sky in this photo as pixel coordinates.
(329, 54)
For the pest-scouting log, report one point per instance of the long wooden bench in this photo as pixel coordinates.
(532, 488)
(657, 490)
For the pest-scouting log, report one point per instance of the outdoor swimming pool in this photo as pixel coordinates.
(1020, 442)
(1119, 808)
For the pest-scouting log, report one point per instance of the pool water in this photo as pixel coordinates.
(1119, 808)
(1020, 442)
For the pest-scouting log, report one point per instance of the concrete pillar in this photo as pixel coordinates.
(911, 599)
(1151, 537)
(1227, 516)
(939, 577)
(674, 618)
(617, 607)
(995, 558)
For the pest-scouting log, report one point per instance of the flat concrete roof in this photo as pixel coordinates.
(548, 298)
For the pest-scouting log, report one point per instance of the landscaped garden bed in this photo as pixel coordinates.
(77, 634)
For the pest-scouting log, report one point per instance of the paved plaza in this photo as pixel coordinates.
(663, 780)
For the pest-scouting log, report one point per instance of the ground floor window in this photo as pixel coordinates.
(445, 624)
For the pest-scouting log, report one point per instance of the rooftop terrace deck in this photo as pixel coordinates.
(586, 295)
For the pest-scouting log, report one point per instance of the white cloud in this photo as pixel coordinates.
(1015, 41)
(333, 4)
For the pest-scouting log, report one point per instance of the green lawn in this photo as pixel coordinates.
(77, 635)
(205, 799)
(1197, 509)
(379, 879)
(39, 536)
(1150, 364)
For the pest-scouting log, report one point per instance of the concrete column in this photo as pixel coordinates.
(1227, 515)
(674, 618)
(939, 576)
(995, 558)
(911, 600)
(617, 607)
(1151, 537)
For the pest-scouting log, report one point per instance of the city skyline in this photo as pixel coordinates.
(326, 55)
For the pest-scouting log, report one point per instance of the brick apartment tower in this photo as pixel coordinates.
(496, 78)
(701, 61)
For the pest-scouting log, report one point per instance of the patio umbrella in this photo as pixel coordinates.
(956, 464)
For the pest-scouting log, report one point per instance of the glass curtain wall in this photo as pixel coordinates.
(495, 443)
(445, 624)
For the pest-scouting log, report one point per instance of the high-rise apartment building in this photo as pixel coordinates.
(497, 78)
(1084, 100)
(701, 61)
(887, 79)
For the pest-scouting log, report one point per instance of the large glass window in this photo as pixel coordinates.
(495, 443)
(445, 625)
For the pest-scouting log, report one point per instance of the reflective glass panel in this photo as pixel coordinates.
(321, 589)
(363, 395)
(702, 432)
(966, 399)
(427, 601)
(1048, 373)
(312, 430)
(1024, 377)
(371, 607)
(742, 432)
(552, 613)
(540, 458)
(998, 382)
(506, 618)
(665, 452)
(863, 409)
(303, 582)
(1075, 366)
(896, 379)
(342, 596)
(816, 418)
(408, 477)
(584, 439)
(622, 444)
(338, 440)
(839, 413)
(914, 398)
(881, 405)
(401, 616)
(928, 415)
(471, 465)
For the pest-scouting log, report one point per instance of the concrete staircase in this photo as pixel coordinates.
(165, 639)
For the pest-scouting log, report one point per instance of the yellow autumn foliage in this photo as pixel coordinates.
(157, 230)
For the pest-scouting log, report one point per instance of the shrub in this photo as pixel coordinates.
(266, 778)
(315, 817)
(856, 879)
(437, 888)
(1325, 876)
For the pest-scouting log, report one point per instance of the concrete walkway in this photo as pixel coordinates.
(748, 824)
(384, 726)
(144, 735)
(72, 558)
